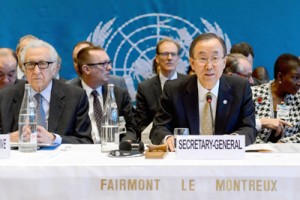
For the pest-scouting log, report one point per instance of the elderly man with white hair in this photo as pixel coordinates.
(65, 106)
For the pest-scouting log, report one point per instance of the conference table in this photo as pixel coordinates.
(83, 172)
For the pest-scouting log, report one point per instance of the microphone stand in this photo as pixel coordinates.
(212, 119)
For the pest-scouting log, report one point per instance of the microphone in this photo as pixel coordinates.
(209, 100)
(126, 149)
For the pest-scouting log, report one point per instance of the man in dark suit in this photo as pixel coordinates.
(183, 101)
(65, 106)
(94, 67)
(149, 91)
(116, 80)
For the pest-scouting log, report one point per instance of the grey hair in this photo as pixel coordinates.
(37, 44)
(26, 37)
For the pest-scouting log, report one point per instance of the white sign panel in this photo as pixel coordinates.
(4, 146)
(217, 147)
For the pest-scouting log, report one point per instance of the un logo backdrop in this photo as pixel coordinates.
(129, 30)
(132, 45)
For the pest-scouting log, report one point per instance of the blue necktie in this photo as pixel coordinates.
(40, 112)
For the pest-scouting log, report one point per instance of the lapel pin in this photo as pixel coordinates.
(225, 102)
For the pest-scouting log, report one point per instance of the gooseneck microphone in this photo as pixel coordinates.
(209, 100)
(127, 149)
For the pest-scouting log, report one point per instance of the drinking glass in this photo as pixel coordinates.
(180, 131)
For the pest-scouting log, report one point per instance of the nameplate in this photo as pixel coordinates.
(4, 146)
(217, 147)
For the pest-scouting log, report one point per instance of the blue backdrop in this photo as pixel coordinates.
(129, 29)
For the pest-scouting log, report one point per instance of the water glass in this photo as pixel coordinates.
(180, 131)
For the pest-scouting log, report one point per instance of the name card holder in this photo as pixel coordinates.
(4, 146)
(210, 147)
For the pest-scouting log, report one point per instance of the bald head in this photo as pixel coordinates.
(8, 67)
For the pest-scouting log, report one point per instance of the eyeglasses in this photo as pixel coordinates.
(41, 65)
(213, 60)
(166, 54)
(102, 65)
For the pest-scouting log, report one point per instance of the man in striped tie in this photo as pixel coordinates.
(94, 66)
(63, 107)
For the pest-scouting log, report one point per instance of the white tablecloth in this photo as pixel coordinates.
(83, 172)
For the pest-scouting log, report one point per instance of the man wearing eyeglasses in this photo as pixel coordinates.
(149, 91)
(238, 65)
(184, 102)
(245, 71)
(94, 66)
(65, 107)
(114, 79)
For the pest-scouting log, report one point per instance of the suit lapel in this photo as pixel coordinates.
(179, 75)
(224, 104)
(190, 101)
(78, 83)
(57, 106)
(16, 104)
(157, 89)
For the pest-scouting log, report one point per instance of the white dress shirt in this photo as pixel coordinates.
(89, 90)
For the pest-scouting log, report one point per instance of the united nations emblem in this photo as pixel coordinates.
(131, 46)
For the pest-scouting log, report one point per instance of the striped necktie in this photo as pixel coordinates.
(40, 112)
(97, 109)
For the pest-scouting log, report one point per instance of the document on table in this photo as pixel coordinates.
(274, 148)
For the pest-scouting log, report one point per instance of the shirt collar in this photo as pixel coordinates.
(164, 79)
(46, 93)
(202, 91)
(89, 90)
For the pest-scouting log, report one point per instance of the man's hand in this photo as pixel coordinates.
(43, 136)
(170, 143)
(14, 136)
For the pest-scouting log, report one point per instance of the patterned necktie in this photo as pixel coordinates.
(40, 112)
(97, 109)
(206, 119)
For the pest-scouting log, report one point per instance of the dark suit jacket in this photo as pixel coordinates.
(117, 81)
(148, 100)
(179, 108)
(124, 104)
(19, 81)
(68, 111)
